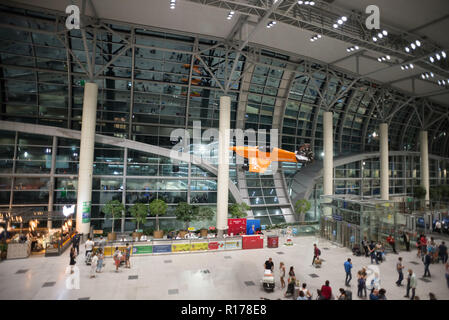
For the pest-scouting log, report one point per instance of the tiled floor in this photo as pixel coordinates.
(231, 275)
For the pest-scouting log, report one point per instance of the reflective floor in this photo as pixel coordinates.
(218, 275)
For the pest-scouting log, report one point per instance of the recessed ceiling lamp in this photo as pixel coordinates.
(272, 23)
(413, 45)
(340, 22)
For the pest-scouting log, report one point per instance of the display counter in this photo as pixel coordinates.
(172, 246)
(252, 242)
(18, 250)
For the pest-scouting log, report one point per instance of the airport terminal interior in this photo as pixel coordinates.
(168, 149)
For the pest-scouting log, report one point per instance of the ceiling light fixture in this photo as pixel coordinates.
(172, 4)
(272, 23)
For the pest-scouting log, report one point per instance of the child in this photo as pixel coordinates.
(93, 265)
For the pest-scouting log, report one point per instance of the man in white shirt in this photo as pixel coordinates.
(89, 245)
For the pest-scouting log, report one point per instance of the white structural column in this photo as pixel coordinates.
(384, 178)
(223, 164)
(424, 148)
(84, 197)
(328, 160)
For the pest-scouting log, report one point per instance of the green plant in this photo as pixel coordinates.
(435, 193)
(185, 212)
(158, 208)
(139, 211)
(301, 207)
(148, 231)
(238, 210)
(113, 208)
(419, 192)
(203, 213)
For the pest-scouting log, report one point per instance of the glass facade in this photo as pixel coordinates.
(152, 82)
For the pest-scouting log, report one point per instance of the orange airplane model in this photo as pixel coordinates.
(260, 158)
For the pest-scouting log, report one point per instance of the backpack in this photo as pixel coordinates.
(319, 252)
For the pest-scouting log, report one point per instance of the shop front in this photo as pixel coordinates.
(26, 232)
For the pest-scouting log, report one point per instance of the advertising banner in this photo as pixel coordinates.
(217, 245)
(142, 249)
(197, 246)
(162, 248)
(236, 226)
(233, 244)
(252, 226)
(180, 247)
(86, 211)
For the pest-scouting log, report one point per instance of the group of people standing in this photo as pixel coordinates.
(97, 257)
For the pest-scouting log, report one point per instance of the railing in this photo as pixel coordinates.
(170, 246)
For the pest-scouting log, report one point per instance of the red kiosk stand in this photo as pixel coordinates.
(252, 242)
(236, 226)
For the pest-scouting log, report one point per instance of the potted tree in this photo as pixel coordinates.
(419, 192)
(158, 207)
(185, 212)
(114, 209)
(238, 210)
(203, 214)
(139, 211)
(301, 207)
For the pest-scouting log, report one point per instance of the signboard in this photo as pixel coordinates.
(198, 246)
(181, 247)
(142, 249)
(233, 244)
(217, 245)
(98, 231)
(162, 248)
(191, 229)
(252, 226)
(236, 226)
(85, 211)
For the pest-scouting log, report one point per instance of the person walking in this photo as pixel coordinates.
(438, 226)
(373, 253)
(316, 253)
(269, 265)
(427, 260)
(100, 256)
(76, 242)
(411, 284)
(127, 256)
(406, 239)
(117, 258)
(391, 242)
(365, 247)
(72, 259)
(442, 252)
(89, 245)
(282, 274)
(93, 265)
(399, 269)
(291, 272)
(102, 243)
(361, 285)
(348, 267)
